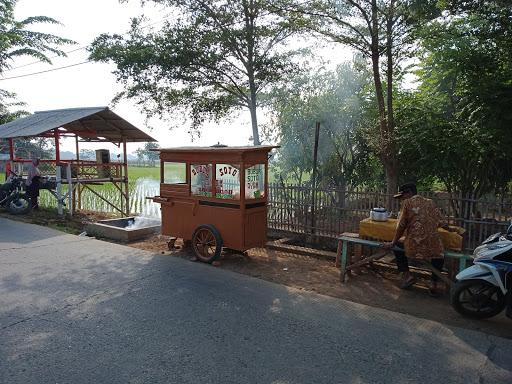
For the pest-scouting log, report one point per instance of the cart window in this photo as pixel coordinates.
(201, 179)
(227, 177)
(255, 181)
(175, 173)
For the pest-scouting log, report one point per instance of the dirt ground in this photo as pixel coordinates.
(377, 288)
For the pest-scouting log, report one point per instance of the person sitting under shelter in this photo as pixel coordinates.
(32, 183)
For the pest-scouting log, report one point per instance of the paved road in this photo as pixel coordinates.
(78, 310)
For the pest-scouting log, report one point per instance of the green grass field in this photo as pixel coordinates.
(138, 190)
(135, 173)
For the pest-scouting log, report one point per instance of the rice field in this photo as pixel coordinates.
(144, 182)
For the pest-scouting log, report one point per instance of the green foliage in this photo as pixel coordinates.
(336, 100)
(25, 148)
(383, 33)
(7, 103)
(214, 58)
(457, 126)
(151, 152)
(40, 148)
(16, 40)
(87, 154)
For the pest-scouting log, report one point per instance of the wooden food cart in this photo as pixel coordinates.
(215, 197)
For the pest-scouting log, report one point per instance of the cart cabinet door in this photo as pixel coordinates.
(256, 227)
(177, 217)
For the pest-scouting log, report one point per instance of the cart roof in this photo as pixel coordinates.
(257, 153)
(256, 148)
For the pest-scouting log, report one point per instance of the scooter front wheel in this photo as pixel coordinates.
(477, 299)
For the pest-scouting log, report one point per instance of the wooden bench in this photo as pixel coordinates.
(342, 257)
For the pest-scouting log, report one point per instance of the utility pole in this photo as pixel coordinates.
(313, 183)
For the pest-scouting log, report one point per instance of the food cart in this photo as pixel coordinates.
(215, 197)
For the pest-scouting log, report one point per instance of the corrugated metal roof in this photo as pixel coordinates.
(88, 123)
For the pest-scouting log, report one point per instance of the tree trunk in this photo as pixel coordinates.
(391, 165)
(250, 32)
(387, 148)
(254, 118)
(391, 181)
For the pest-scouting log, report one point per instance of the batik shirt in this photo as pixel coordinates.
(420, 219)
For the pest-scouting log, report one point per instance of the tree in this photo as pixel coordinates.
(214, 58)
(459, 120)
(7, 102)
(151, 152)
(140, 152)
(40, 148)
(17, 41)
(335, 100)
(87, 154)
(383, 33)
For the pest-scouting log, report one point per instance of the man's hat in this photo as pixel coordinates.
(405, 188)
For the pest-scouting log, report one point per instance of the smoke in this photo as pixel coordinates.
(142, 222)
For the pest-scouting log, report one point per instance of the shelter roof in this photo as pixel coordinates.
(93, 124)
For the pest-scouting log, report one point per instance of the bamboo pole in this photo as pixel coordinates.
(70, 190)
(313, 184)
(125, 164)
(77, 197)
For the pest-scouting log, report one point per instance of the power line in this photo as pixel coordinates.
(48, 70)
(41, 61)
(74, 50)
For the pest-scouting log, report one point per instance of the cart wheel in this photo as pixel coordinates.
(207, 243)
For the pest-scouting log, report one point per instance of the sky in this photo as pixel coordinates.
(93, 84)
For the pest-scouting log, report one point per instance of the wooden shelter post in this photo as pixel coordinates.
(11, 149)
(11, 154)
(58, 179)
(71, 190)
(57, 145)
(77, 198)
(125, 166)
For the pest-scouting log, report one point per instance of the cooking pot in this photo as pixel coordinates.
(379, 214)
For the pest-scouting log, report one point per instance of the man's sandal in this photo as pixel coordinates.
(408, 283)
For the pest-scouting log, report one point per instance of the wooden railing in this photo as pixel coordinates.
(82, 169)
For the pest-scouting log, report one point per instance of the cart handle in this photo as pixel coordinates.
(158, 199)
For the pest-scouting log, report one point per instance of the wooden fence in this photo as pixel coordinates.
(337, 210)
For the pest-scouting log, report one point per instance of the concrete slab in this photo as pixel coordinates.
(120, 229)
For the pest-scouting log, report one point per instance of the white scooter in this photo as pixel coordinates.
(481, 290)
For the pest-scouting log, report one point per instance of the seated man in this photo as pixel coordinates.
(32, 183)
(420, 218)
